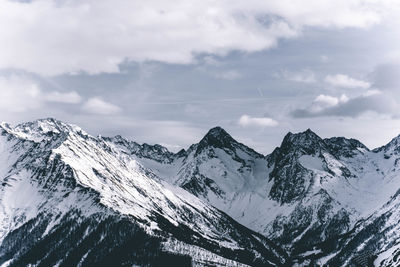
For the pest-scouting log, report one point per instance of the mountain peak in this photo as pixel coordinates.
(308, 141)
(302, 137)
(217, 131)
(216, 137)
(43, 124)
(43, 128)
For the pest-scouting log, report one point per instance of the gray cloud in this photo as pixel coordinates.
(386, 100)
(302, 76)
(386, 77)
(52, 37)
(354, 107)
(63, 97)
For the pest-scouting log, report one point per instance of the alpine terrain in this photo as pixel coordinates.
(71, 199)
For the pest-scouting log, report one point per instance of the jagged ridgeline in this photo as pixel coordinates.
(71, 199)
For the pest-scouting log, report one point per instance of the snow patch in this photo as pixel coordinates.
(311, 162)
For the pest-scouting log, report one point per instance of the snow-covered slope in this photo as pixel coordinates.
(221, 171)
(379, 233)
(308, 195)
(67, 198)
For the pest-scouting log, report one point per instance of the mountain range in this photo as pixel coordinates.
(71, 199)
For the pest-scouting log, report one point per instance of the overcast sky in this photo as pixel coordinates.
(167, 71)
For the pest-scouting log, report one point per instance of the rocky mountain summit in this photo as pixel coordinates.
(68, 198)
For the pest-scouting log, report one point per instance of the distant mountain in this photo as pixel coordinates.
(71, 199)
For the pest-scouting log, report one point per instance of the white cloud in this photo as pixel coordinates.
(342, 80)
(63, 97)
(246, 120)
(303, 76)
(327, 100)
(322, 102)
(18, 94)
(343, 98)
(96, 105)
(52, 37)
(228, 75)
(372, 92)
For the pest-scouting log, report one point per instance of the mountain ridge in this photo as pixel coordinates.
(76, 179)
(322, 201)
(300, 181)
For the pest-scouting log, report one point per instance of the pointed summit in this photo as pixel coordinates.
(307, 134)
(219, 138)
(307, 140)
(217, 131)
(216, 137)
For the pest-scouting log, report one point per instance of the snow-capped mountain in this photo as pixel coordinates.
(314, 197)
(379, 232)
(70, 199)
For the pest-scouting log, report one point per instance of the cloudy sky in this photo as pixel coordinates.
(166, 71)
